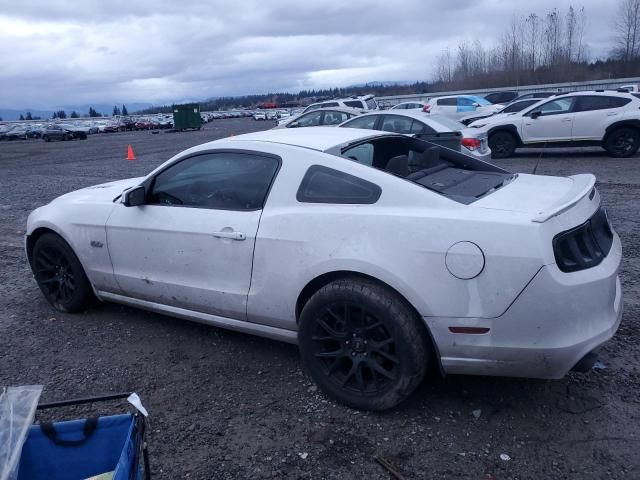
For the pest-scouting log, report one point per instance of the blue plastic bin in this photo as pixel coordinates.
(80, 449)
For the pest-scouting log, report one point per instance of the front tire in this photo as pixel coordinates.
(622, 142)
(60, 275)
(502, 144)
(362, 344)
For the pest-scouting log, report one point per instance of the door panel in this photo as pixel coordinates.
(191, 244)
(592, 113)
(554, 123)
(183, 256)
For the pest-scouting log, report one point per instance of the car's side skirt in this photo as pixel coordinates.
(274, 333)
(561, 144)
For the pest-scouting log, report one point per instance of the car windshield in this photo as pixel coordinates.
(447, 172)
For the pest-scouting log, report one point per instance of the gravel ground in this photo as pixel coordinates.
(225, 405)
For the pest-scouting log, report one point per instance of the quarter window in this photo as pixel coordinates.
(368, 122)
(396, 123)
(326, 185)
(334, 118)
(588, 103)
(371, 104)
(420, 128)
(220, 181)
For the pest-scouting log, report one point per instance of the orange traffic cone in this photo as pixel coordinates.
(130, 154)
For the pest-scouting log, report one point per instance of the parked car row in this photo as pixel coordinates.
(606, 118)
(609, 119)
(437, 129)
(47, 132)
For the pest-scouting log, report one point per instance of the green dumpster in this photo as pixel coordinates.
(187, 116)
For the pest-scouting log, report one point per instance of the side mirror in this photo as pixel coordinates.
(134, 197)
(476, 105)
(536, 114)
(293, 125)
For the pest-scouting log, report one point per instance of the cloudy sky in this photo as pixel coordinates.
(62, 52)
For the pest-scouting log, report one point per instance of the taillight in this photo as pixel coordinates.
(471, 143)
(426, 108)
(584, 246)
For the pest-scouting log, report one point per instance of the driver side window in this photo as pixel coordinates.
(556, 107)
(220, 181)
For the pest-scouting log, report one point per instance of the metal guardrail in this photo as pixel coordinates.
(389, 101)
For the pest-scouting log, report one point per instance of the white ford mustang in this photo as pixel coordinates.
(374, 252)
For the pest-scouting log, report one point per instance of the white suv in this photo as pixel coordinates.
(591, 118)
(364, 102)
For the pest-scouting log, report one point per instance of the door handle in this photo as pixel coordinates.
(230, 234)
(566, 119)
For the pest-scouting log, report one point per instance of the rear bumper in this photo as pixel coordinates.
(556, 320)
(485, 156)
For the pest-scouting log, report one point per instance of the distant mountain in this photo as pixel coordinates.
(103, 108)
(8, 114)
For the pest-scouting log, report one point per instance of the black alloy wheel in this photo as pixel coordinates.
(502, 144)
(623, 142)
(60, 275)
(355, 349)
(362, 344)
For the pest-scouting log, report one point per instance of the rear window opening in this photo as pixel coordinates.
(450, 173)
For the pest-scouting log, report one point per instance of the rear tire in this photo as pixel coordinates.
(362, 344)
(623, 142)
(60, 275)
(502, 144)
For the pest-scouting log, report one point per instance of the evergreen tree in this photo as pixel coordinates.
(93, 113)
(124, 110)
(61, 114)
(21, 117)
(54, 116)
(116, 111)
(29, 117)
(74, 114)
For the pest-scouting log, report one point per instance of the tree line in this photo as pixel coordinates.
(92, 113)
(542, 48)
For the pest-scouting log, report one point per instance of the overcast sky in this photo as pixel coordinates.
(57, 52)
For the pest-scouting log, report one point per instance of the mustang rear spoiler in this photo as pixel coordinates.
(583, 185)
